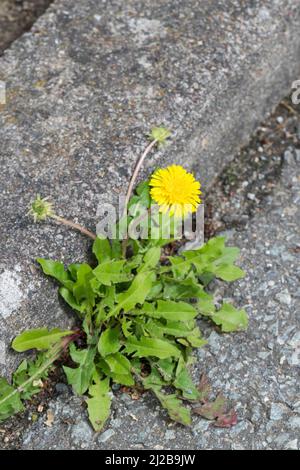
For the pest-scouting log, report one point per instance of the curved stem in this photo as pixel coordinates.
(134, 176)
(136, 171)
(81, 229)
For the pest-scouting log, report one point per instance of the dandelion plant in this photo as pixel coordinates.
(137, 304)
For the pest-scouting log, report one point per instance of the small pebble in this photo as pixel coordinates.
(277, 411)
(292, 445)
(106, 435)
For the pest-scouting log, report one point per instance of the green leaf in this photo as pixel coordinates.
(230, 319)
(109, 297)
(136, 294)
(142, 197)
(201, 258)
(154, 379)
(179, 266)
(102, 249)
(80, 377)
(133, 263)
(123, 379)
(39, 339)
(126, 327)
(99, 403)
(195, 339)
(118, 368)
(184, 382)
(121, 232)
(10, 401)
(116, 249)
(155, 291)
(71, 301)
(56, 269)
(186, 289)
(73, 269)
(160, 242)
(109, 341)
(218, 409)
(111, 272)
(145, 347)
(205, 304)
(174, 407)
(214, 257)
(205, 278)
(228, 272)
(214, 246)
(229, 254)
(166, 368)
(38, 368)
(169, 310)
(118, 363)
(82, 289)
(142, 188)
(151, 259)
(172, 328)
(177, 329)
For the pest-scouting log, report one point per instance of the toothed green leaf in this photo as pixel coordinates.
(82, 289)
(71, 301)
(39, 339)
(102, 249)
(169, 310)
(228, 272)
(111, 272)
(10, 401)
(109, 341)
(80, 377)
(136, 294)
(99, 402)
(179, 290)
(184, 382)
(174, 407)
(230, 319)
(151, 259)
(145, 347)
(56, 269)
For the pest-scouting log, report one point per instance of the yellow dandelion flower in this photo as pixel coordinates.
(175, 190)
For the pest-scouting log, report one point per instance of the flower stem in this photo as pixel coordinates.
(137, 168)
(62, 220)
(134, 176)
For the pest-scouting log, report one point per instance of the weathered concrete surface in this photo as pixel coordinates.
(84, 87)
(17, 16)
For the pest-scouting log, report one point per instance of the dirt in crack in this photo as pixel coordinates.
(17, 16)
(245, 184)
